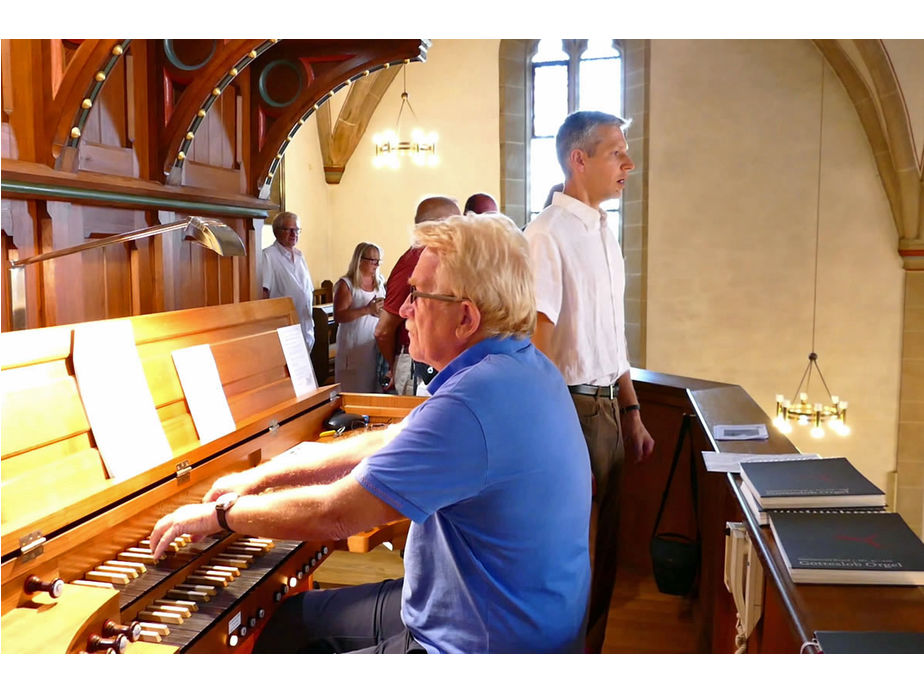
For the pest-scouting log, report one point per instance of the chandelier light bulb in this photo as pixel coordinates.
(818, 432)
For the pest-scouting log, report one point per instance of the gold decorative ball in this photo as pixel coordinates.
(233, 72)
(190, 135)
(117, 50)
(216, 92)
(100, 76)
(75, 132)
(181, 156)
(201, 113)
(86, 104)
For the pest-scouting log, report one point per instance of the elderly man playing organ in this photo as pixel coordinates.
(492, 470)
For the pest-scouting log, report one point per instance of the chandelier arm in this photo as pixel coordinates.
(398, 119)
(807, 371)
(820, 375)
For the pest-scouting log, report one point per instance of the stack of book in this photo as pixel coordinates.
(830, 523)
(824, 482)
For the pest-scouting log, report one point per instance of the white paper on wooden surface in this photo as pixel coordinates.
(117, 400)
(296, 352)
(204, 394)
(731, 461)
(740, 432)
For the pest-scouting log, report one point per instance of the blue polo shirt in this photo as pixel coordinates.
(493, 472)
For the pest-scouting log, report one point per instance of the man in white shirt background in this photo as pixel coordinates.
(579, 274)
(285, 272)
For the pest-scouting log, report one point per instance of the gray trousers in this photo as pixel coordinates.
(360, 619)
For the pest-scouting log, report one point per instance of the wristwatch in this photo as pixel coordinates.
(222, 506)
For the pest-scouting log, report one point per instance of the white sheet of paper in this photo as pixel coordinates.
(731, 461)
(740, 432)
(296, 353)
(117, 400)
(204, 394)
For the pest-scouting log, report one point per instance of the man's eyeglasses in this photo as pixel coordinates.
(415, 294)
(373, 260)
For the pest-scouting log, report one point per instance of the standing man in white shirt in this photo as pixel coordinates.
(580, 283)
(285, 272)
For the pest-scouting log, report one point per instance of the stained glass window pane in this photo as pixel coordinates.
(550, 99)
(601, 85)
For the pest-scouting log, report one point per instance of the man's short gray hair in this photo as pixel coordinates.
(579, 131)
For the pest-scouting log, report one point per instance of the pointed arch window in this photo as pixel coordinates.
(568, 75)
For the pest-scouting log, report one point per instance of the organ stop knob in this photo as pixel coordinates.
(132, 631)
(98, 643)
(35, 584)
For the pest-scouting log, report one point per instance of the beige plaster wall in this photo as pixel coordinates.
(455, 92)
(734, 137)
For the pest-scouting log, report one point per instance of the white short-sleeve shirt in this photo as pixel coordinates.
(285, 275)
(580, 283)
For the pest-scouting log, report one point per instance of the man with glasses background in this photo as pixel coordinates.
(492, 471)
(285, 272)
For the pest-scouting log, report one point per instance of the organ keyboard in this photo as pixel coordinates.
(77, 570)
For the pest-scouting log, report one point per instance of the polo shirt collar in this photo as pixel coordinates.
(590, 217)
(474, 354)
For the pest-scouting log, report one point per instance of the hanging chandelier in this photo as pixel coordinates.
(390, 148)
(800, 408)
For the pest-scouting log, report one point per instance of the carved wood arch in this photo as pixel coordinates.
(332, 64)
(228, 61)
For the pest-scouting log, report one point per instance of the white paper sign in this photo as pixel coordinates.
(117, 400)
(204, 394)
(296, 353)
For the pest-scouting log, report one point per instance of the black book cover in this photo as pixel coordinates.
(823, 482)
(849, 548)
(869, 642)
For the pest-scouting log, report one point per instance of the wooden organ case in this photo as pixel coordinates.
(75, 574)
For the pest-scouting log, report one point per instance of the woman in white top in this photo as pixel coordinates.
(358, 298)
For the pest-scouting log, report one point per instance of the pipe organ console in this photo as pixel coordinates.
(77, 569)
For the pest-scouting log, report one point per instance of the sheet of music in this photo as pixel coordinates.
(296, 353)
(204, 393)
(117, 400)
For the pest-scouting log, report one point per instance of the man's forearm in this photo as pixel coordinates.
(319, 463)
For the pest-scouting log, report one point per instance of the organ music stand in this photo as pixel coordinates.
(209, 233)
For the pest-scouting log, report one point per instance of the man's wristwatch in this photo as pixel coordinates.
(629, 407)
(222, 506)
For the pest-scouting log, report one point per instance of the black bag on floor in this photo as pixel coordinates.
(675, 558)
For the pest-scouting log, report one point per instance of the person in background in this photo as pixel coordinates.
(580, 283)
(285, 272)
(358, 298)
(390, 333)
(497, 556)
(480, 203)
